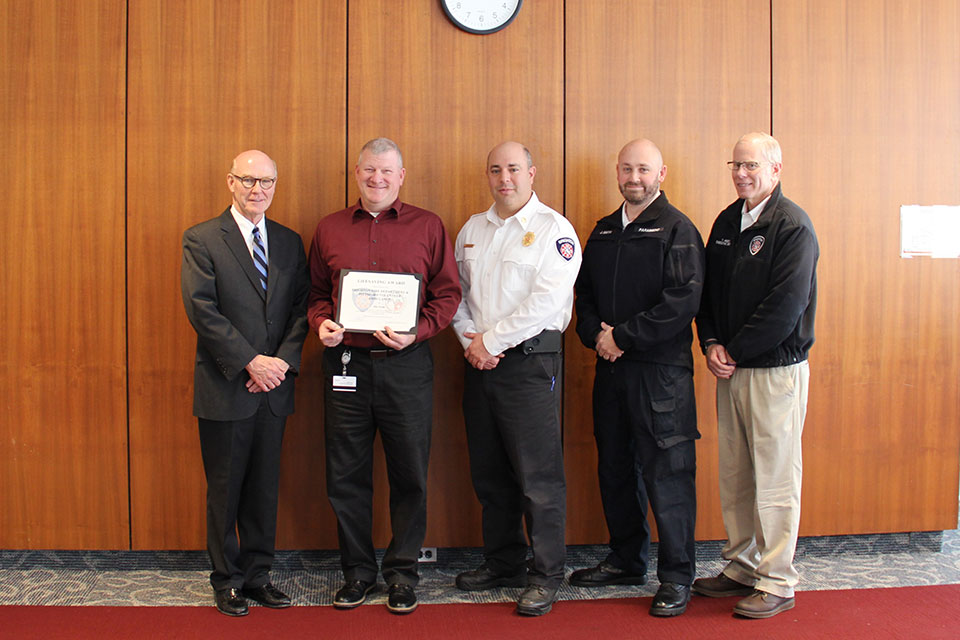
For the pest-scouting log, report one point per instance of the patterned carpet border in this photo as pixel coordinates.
(180, 578)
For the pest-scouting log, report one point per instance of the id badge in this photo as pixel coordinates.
(345, 383)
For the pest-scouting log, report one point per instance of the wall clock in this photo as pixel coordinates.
(481, 16)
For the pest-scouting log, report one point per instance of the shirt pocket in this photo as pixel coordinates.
(468, 264)
(519, 271)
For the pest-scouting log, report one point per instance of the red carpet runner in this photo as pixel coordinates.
(906, 612)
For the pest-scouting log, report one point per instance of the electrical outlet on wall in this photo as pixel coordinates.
(428, 554)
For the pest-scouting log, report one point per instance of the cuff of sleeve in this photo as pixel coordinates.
(620, 342)
(491, 344)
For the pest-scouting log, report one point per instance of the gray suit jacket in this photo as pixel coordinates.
(233, 318)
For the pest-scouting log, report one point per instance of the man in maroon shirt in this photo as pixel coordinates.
(385, 379)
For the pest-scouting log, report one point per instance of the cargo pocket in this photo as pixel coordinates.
(664, 421)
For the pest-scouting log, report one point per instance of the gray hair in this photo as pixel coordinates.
(381, 145)
(769, 147)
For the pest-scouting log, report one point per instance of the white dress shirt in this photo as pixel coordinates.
(517, 275)
(246, 230)
(749, 218)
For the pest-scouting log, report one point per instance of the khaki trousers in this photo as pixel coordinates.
(760, 415)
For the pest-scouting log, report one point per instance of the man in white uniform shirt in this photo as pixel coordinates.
(518, 262)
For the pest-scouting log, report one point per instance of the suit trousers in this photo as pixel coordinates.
(516, 462)
(394, 396)
(634, 468)
(760, 414)
(241, 460)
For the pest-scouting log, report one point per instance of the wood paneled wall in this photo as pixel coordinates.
(63, 432)
(208, 80)
(866, 99)
(97, 440)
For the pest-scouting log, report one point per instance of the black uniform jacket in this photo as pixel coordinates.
(760, 296)
(645, 280)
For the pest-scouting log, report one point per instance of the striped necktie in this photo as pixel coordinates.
(260, 258)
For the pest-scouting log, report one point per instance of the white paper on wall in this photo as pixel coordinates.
(932, 231)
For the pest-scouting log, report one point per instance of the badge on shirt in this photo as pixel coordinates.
(756, 244)
(528, 238)
(566, 248)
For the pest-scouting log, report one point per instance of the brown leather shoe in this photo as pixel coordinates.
(721, 587)
(761, 604)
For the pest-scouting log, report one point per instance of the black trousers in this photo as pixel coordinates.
(638, 409)
(394, 395)
(516, 462)
(241, 460)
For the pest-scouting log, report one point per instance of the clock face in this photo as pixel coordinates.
(481, 16)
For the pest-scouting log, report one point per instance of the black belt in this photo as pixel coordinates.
(547, 341)
(386, 352)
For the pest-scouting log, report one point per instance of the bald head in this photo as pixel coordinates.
(250, 158)
(640, 170)
(641, 147)
(510, 174)
(252, 202)
(514, 148)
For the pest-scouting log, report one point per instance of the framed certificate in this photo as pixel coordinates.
(372, 300)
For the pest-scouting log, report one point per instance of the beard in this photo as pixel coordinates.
(642, 198)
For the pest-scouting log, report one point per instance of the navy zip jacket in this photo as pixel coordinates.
(645, 280)
(760, 295)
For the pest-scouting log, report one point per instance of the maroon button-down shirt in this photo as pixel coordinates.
(401, 239)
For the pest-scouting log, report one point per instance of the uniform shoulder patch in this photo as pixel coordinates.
(566, 248)
(756, 244)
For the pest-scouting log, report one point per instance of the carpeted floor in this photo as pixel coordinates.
(104, 578)
(863, 614)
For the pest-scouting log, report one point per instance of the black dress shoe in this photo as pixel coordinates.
(268, 595)
(604, 574)
(230, 602)
(536, 600)
(671, 600)
(401, 598)
(352, 594)
(484, 578)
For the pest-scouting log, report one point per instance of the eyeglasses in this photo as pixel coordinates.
(749, 166)
(265, 183)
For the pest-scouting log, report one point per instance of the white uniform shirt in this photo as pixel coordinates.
(517, 275)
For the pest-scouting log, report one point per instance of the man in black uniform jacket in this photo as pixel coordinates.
(637, 293)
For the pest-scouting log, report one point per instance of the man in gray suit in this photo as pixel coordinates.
(244, 281)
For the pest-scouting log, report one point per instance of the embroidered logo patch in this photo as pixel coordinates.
(755, 245)
(566, 248)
